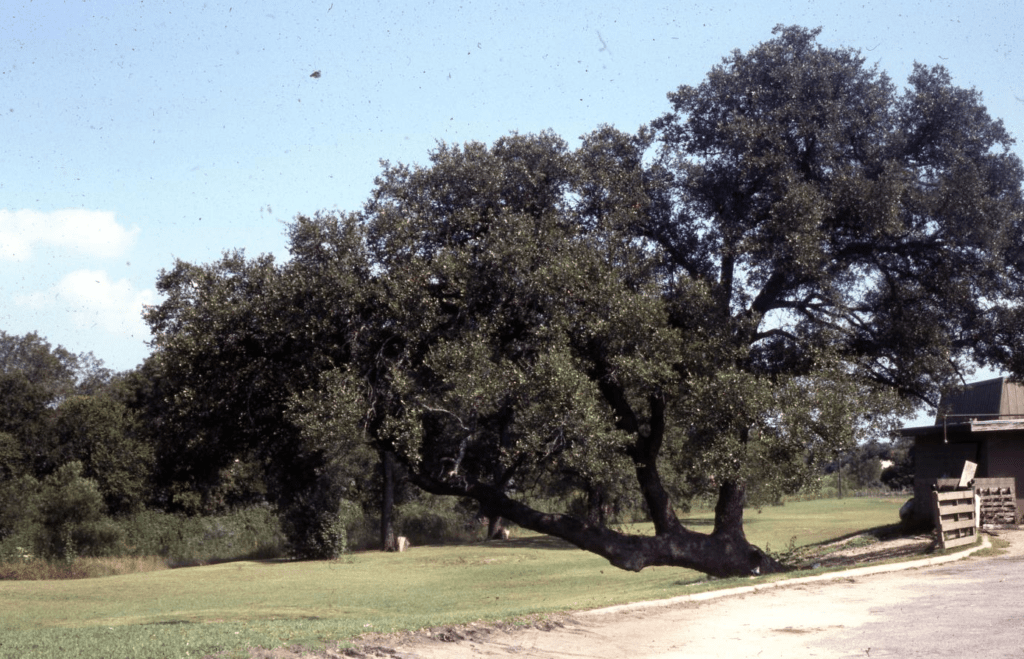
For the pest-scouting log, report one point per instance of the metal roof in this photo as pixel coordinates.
(992, 399)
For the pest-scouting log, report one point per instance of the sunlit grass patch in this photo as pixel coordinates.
(241, 605)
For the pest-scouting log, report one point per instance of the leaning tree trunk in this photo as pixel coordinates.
(725, 552)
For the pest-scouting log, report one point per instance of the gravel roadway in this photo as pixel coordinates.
(912, 613)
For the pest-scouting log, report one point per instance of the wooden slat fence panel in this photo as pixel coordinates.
(956, 508)
(956, 520)
(958, 524)
(955, 496)
(956, 542)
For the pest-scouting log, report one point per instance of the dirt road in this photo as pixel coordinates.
(914, 613)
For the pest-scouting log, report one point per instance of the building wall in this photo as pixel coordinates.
(935, 459)
(1006, 459)
(998, 455)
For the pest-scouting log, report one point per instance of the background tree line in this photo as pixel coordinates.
(719, 305)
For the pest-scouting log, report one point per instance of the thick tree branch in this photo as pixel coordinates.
(718, 554)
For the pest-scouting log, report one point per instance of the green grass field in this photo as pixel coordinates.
(191, 612)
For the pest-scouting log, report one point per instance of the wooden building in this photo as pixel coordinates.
(983, 423)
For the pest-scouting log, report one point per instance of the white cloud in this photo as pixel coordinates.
(89, 300)
(115, 306)
(94, 233)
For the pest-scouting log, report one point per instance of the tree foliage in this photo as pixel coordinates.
(240, 345)
(101, 433)
(213, 388)
(716, 305)
(37, 382)
(34, 379)
(71, 514)
(822, 206)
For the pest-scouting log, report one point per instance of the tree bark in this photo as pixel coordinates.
(495, 524)
(597, 506)
(723, 553)
(646, 450)
(387, 524)
(495, 528)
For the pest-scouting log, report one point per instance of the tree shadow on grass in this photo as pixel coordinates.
(551, 542)
(880, 543)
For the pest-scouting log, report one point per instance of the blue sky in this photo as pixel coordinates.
(134, 133)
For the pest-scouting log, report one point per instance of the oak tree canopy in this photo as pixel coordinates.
(706, 307)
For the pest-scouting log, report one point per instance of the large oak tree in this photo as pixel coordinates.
(721, 296)
(706, 307)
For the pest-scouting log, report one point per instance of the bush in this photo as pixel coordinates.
(245, 534)
(434, 520)
(19, 517)
(362, 529)
(72, 519)
(148, 537)
(315, 532)
(313, 521)
(59, 519)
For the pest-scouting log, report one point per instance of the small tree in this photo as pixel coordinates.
(243, 348)
(71, 517)
(97, 430)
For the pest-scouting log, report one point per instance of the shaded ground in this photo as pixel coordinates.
(877, 545)
(822, 619)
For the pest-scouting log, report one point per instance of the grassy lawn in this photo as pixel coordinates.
(190, 612)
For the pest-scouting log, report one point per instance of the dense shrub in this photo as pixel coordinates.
(72, 517)
(314, 518)
(433, 520)
(245, 534)
(362, 529)
(19, 523)
(315, 532)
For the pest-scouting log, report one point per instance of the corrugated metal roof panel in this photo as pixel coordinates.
(988, 398)
(1013, 398)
